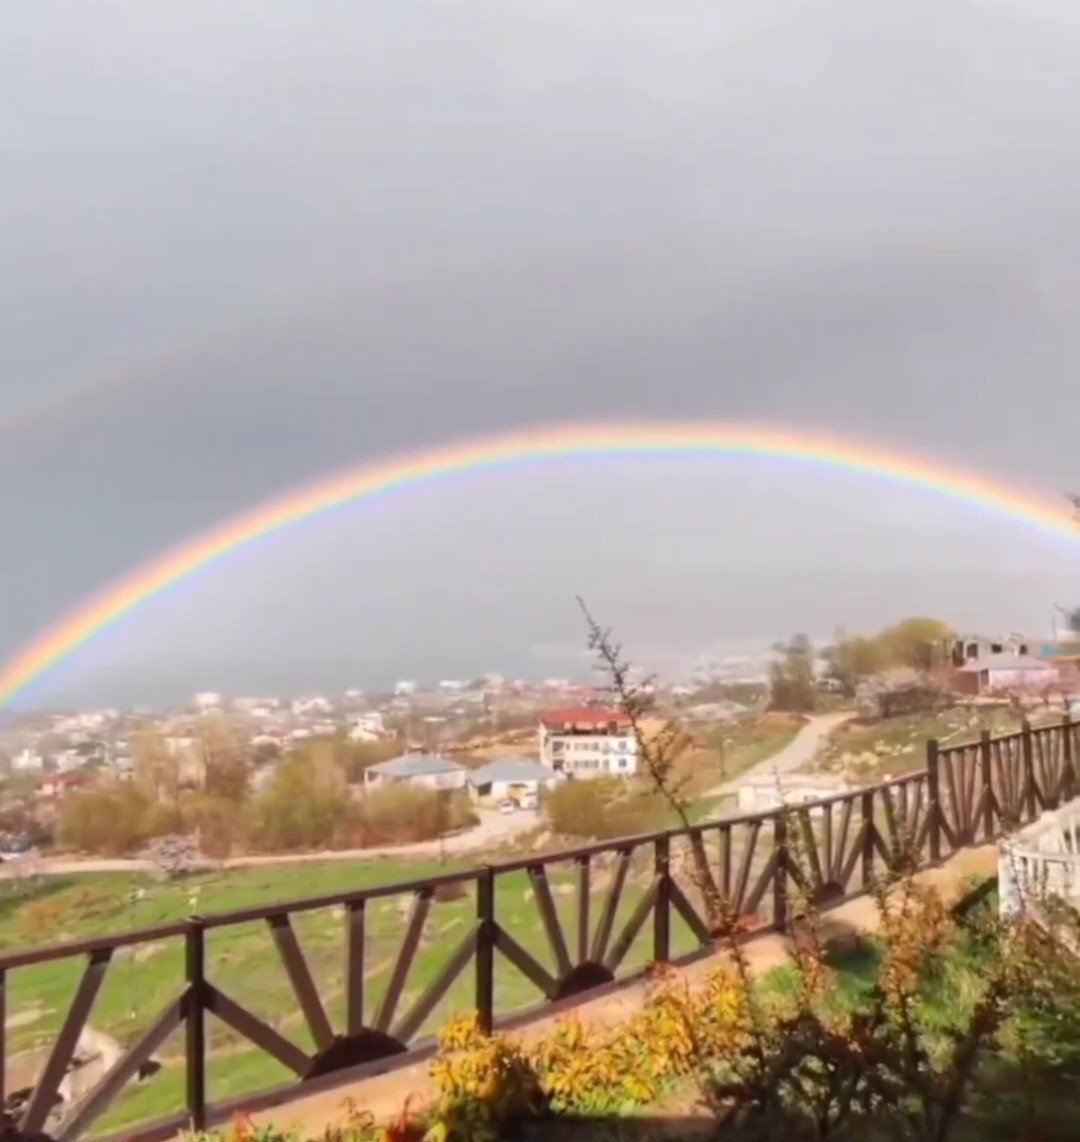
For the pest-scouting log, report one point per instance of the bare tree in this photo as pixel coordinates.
(636, 700)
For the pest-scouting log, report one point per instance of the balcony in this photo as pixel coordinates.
(1041, 863)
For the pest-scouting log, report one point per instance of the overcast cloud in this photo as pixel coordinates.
(244, 244)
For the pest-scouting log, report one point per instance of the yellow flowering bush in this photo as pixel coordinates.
(486, 1082)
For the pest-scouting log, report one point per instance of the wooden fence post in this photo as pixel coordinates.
(987, 786)
(1068, 781)
(485, 949)
(780, 874)
(3, 1039)
(866, 812)
(662, 911)
(1027, 759)
(195, 1017)
(933, 796)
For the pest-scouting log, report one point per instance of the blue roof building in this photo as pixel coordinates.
(498, 777)
(417, 769)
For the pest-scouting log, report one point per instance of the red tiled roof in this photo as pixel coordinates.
(583, 716)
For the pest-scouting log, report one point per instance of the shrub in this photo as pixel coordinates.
(798, 1056)
(173, 856)
(296, 810)
(602, 807)
(112, 820)
(404, 814)
(216, 821)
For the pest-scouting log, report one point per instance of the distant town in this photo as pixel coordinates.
(500, 742)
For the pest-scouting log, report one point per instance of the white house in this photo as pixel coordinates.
(29, 761)
(426, 769)
(770, 791)
(68, 760)
(208, 700)
(315, 704)
(1005, 672)
(260, 708)
(368, 727)
(510, 778)
(588, 741)
(404, 687)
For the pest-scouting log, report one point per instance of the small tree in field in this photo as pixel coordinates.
(791, 677)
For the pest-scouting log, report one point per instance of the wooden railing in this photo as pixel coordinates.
(593, 918)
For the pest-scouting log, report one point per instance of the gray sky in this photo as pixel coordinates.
(245, 244)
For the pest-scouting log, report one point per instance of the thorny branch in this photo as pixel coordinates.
(656, 752)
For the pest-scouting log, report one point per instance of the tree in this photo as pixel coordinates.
(791, 677)
(852, 660)
(227, 760)
(111, 820)
(636, 699)
(912, 642)
(296, 810)
(1072, 621)
(156, 770)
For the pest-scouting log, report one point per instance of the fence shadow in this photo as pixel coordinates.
(617, 1128)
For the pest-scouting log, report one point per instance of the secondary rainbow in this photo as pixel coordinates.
(102, 610)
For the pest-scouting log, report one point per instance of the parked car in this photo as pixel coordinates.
(508, 806)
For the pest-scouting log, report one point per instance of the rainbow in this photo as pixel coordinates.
(101, 611)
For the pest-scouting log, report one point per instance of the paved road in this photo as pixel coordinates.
(494, 827)
(800, 751)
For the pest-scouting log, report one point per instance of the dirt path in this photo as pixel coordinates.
(800, 751)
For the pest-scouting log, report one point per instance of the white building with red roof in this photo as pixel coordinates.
(588, 741)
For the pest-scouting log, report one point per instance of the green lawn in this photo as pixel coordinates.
(243, 962)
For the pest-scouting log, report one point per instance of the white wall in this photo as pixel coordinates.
(756, 798)
(591, 755)
(1020, 679)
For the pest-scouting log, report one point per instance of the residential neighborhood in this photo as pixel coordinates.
(501, 744)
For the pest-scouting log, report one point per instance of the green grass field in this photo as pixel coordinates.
(243, 962)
